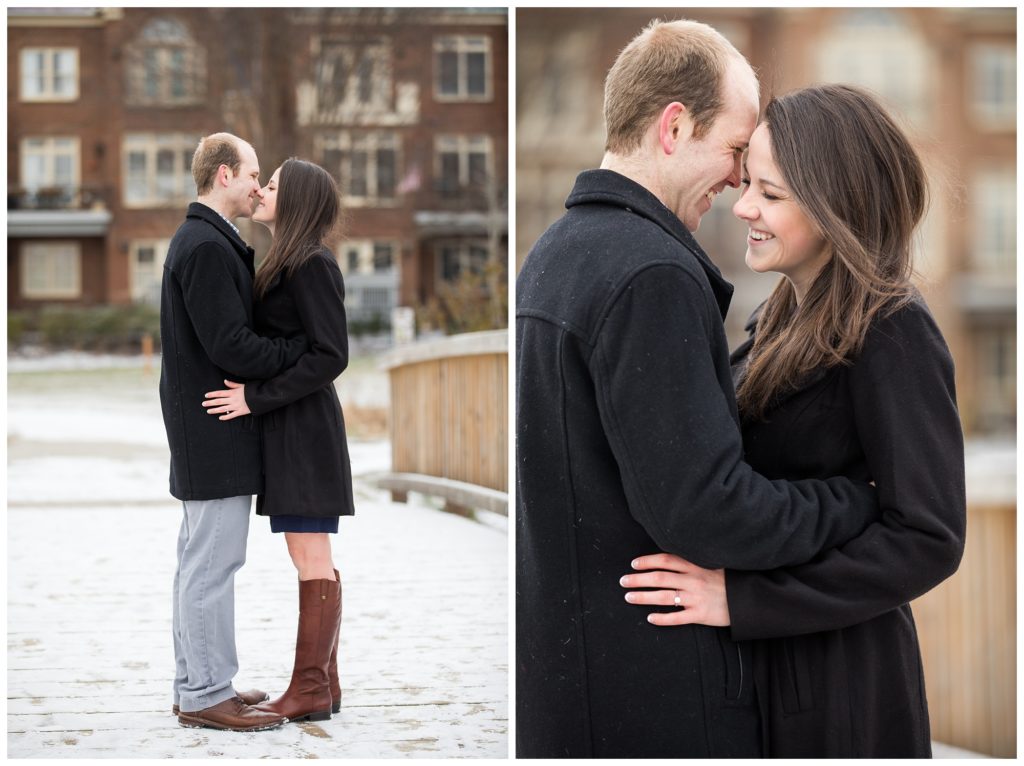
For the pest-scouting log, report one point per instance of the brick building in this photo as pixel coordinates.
(950, 73)
(407, 108)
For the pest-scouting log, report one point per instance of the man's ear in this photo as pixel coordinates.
(224, 175)
(674, 127)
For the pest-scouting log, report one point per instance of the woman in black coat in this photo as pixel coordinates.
(845, 373)
(308, 480)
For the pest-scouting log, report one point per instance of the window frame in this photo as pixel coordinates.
(49, 94)
(160, 247)
(50, 153)
(463, 45)
(51, 291)
(991, 115)
(370, 143)
(151, 144)
(462, 145)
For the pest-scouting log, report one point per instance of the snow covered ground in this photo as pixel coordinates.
(90, 539)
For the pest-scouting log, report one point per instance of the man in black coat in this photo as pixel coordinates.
(216, 467)
(628, 439)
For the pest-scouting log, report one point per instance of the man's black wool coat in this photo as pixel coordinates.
(206, 337)
(838, 674)
(628, 443)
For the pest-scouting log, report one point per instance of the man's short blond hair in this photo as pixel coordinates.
(213, 151)
(668, 61)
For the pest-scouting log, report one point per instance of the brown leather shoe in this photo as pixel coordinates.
(332, 665)
(231, 715)
(251, 697)
(308, 696)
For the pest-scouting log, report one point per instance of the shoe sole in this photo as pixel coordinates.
(320, 715)
(194, 723)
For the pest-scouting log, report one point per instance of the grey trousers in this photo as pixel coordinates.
(211, 548)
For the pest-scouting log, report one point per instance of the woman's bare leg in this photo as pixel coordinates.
(311, 554)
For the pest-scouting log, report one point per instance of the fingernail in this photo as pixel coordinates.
(630, 597)
(624, 580)
(650, 618)
(633, 563)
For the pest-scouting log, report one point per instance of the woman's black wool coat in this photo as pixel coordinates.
(628, 443)
(305, 451)
(206, 334)
(838, 669)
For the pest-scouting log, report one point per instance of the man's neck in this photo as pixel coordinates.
(214, 204)
(635, 169)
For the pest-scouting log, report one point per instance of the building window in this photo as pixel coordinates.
(371, 279)
(880, 49)
(992, 85)
(365, 257)
(997, 383)
(457, 258)
(51, 270)
(353, 76)
(366, 165)
(158, 169)
(147, 266)
(463, 162)
(462, 68)
(49, 74)
(49, 170)
(994, 220)
(165, 66)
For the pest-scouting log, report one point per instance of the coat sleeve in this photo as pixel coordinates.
(678, 446)
(318, 292)
(905, 411)
(221, 319)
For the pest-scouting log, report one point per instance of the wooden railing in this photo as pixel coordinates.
(968, 632)
(449, 420)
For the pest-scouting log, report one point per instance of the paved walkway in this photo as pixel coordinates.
(90, 540)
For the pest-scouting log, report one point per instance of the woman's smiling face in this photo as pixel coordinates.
(782, 237)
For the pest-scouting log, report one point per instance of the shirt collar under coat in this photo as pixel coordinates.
(211, 216)
(610, 188)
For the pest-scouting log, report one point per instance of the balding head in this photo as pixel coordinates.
(675, 61)
(213, 151)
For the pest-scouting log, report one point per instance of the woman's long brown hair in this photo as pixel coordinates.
(859, 180)
(307, 219)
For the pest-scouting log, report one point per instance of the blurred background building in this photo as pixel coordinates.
(407, 108)
(949, 74)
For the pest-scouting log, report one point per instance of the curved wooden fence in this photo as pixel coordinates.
(968, 632)
(449, 419)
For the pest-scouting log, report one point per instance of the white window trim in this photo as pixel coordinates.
(464, 145)
(982, 112)
(463, 245)
(74, 290)
(50, 152)
(152, 143)
(49, 96)
(160, 247)
(365, 247)
(463, 47)
(379, 52)
(368, 141)
(985, 260)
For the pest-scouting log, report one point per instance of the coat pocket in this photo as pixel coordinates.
(791, 669)
(737, 666)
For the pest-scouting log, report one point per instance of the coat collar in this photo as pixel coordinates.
(610, 188)
(211, 216)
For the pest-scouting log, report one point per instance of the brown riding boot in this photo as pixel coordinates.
(332, 665)
(308, 696)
